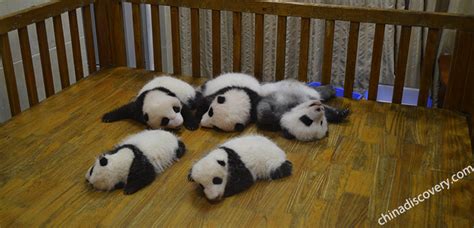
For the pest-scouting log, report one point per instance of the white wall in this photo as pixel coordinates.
(12, 6)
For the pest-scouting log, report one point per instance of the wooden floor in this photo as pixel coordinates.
(384, 154)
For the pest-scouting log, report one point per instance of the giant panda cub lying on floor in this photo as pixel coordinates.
(228, 102)
(235, 165)
(164, 102)
(134, 163)
(296, 109)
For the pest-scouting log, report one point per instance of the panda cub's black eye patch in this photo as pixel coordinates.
(211, 112)
(165, 121)
(222, 163)
(217, 180)
(176, 109)
(145, 117)
(103, 161)
(220, 99)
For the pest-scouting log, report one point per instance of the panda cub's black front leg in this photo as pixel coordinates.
(190, 121)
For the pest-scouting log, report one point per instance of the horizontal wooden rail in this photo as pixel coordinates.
(331, 12)
(38, 13)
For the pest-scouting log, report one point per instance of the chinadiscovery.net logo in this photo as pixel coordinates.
(411, 202)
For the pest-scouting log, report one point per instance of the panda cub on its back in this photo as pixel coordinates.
(134, 163)
(295, 108)
(164, 102)
(228, 102)
(235, 165)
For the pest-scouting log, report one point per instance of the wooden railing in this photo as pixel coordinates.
(330, 13)
(111, 42)
(37, 15)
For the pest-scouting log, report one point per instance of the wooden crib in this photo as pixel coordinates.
(384, 153)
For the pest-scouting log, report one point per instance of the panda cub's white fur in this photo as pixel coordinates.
(134, 162)
(235, 165)
(290, 87)
(228, 102)
(305, 122)
(183, 90)
(230, 79)
(163, 102)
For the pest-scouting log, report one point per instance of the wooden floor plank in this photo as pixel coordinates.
(383, 154)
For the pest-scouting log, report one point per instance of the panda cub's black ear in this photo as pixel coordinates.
(222, 163)
(220, 99)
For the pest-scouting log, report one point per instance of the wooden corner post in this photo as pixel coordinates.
(110, 33)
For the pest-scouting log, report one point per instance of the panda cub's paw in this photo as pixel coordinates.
(181, 149)
(191, 125)
(107, 118)
(334, 115)
(283, 171)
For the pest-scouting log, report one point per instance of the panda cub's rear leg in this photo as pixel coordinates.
(335, 115)
(283, 171)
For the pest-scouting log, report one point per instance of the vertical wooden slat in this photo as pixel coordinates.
(428, 65)
(87, 23)
(281, 49)
(45, 59)
(259, 31)
(61, 50)
(28, 66)
(76, 46)
(376, 60)
(175, 40)
(401, 64)
(137, 36)
(327, 55)
(464, 47)
(351, 60)
(216, 42)
(237, 33)
(304, 50)
(119, 56)
(155, 26)
(104, 39)
(9, 75)
(196, 50)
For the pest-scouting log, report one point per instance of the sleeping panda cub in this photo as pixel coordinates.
(135, 162)
(301, 106)
(228, 102)
(235, 165)
(164, 102)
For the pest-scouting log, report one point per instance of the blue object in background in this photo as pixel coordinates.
(384, 94)
(339, 91)
(410, 95)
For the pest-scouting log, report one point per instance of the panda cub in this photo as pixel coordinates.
(135, 162)
(235, 165)
(228, 102)
(164, 102)
(300, 104)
